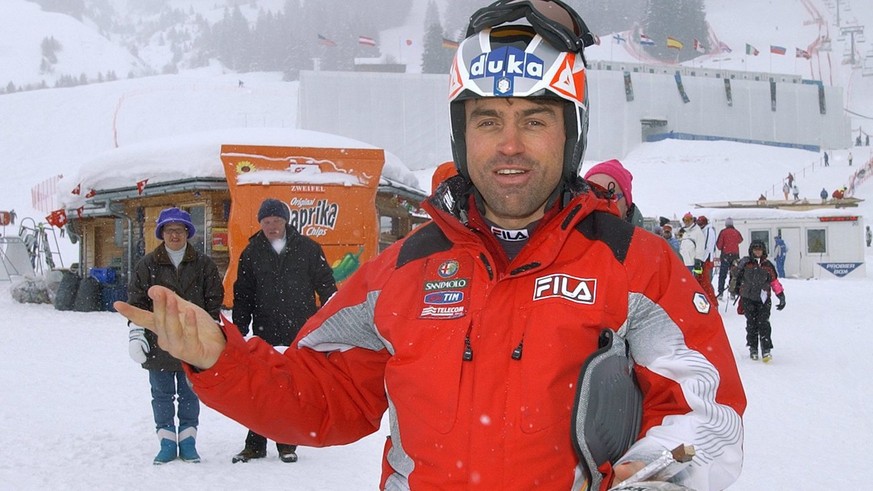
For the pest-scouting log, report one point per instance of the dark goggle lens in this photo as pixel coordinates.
(551, 19)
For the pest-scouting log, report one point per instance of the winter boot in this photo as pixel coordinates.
(287, 453)
(753, 353)
(169, 448)
(187, 451)
(766, 356)
(248, 454)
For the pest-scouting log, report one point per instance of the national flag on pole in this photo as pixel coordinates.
(619, 39)
(57, 218)
(751, 50)
(674, 43)
(724, 47)
(698, 47)
(325, 41)
(140, 185)
(449, 44)
(802, 53)
(646, 40)
(76, 190)
(777, 50)
(366, 41)
(90, 194)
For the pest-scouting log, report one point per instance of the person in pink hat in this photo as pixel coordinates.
(616, 181)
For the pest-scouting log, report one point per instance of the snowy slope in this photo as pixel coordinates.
(76, 410)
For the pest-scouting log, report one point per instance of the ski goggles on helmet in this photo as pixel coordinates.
(557, 23)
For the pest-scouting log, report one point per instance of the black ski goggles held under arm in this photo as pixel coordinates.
(557, 23)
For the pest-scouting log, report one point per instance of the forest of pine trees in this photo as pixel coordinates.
(288, 41)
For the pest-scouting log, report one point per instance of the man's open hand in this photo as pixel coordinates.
(184, 330)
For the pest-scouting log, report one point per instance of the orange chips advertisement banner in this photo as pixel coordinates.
(330, 194)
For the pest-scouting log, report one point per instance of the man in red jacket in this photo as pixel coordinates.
(472, 332)
(728, 243)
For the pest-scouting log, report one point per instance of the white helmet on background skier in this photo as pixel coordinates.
(543, 58)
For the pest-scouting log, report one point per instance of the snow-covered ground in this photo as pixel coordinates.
(75, 411)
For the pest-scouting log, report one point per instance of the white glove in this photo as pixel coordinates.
(138, 345)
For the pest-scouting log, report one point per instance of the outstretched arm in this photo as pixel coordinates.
(184, 330)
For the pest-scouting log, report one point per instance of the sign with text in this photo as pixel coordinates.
(330, 194)
(840, 269)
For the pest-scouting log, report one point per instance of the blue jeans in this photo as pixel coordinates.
(165, 386)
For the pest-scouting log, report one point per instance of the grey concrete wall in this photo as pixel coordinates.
(407, 114)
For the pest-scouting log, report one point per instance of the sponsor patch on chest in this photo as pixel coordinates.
(446, 290)
(701, 303)
(572, 288)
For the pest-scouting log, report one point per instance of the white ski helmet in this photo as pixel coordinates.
(542, 58)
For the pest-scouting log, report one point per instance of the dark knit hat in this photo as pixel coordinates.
(173, 215)
(273, 208)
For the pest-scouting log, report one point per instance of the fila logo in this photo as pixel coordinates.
(510, 235)
(579, 290)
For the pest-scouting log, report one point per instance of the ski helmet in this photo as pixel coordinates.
(543, 59)
(757, 243)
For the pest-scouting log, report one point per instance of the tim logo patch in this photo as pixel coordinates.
(578, 290)
(444, 298)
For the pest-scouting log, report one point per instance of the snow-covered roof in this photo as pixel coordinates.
(197, 155)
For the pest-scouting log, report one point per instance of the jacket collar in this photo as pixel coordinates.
(162, 256)
(291, 234)
(453, 207)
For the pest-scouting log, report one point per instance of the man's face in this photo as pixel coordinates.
(273, 227)
(515, 153)
(175, 236)
(758, 251)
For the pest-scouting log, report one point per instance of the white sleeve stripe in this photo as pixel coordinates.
(715, 430)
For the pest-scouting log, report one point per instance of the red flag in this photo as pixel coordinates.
(449, 44)
(80, 210)
(91, 193)
(140, 185)
(57, 218)
(78, 189)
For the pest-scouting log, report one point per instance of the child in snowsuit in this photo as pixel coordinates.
(756, 279)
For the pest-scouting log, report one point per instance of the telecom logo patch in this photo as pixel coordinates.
(578, 290)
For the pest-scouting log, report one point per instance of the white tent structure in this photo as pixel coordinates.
(822, 243)
(14, 258)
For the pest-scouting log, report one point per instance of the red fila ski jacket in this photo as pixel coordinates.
(476, 359)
